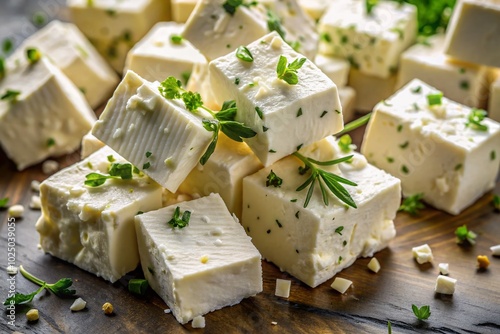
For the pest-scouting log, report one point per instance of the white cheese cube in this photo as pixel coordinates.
(16, 211)
(198, 322)
(209, 264)
(315, 243)
(494, 101)
(175, 138)
(444, 268)
(374, 265)
(337, 69)
(422, 254)
(445, 285)
(48, 118)
(181, 9)
(157, 57)
(341, 284)
(431, 149)
(90, 144)
(347, 96)
(473, 34)
(371, 42)
(73, 54)
(370, 90)
(495, 250)
(282, 288)
(315, 8)
(284, 116)
(93, 227)
(114, 26)
(460, 82)
(223, 173)
(200, 82)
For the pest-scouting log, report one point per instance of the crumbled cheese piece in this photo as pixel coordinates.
(35, 202)
(12, 270)
(482, 261)
(283, 288)
(32, 315)
(374, 265)
(495, 250)
(274, 323)
(445, 285)
(78, 305)
(107, 308)
(16, 211)
(50, 167)
(35, 185)
(444, 268)
(341, 284)
(422, 254)
(198, 322)
(167, 311)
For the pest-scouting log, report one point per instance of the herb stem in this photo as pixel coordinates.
(354, 124)
(30, 277)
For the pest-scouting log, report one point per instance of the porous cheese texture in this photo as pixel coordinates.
(315, 243)
(422, 254)
(494, 101)
(370, 90)
(282, 288)
(371, 42)
(284, 116)
(461, 82)
(138, 120)
(74, 55)
(341, 284)
(473, 34)
(445, 285)
(157, 57)
(93, 227)
(431, 149)
(48, 118)
(181, 9)
(223, 173)
(209, 264)
(90, 144)
(337, 69)
(114, 26)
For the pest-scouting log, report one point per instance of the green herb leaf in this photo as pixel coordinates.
(274, 24)
(236, 130)
(288, 73)
(138, 286)
(177, 220)
(39, 19)
(495, 201)
(19, 298)
(242, 53)
(213, 126)
(339, 230)
(412, 204)
(192, 101)
(185, 77)
(10, 95)
(2, 68)
(476, 116)
(3, 202)
(389, 327)
(122, 170)
(50, 142)
(370, 4)
(463, 234)
(435, 99)
(170, 88)
(345, 143)
(421, 313)
(231, 5)
(273, 180)
(33, 55)
(176, 39)
(7, 46)
(95, 179)
(227, 112)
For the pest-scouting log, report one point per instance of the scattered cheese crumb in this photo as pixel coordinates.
(495, 250)
(274, 323)
(16, 211)
(35, 186)
(422, 254)
(341, 284)
(374, 265)
(444, 268)
(12, 270)
(107, 308)
(482, 261)
(198, 322)
(78, 305)
(445, 285)
(283, 288)
(50, 167)
(32, 315)
(167, 311)
(35, 202)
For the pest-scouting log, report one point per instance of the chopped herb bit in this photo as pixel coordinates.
(344, 243)
(421, 313)
(89, 165)
(338, 111)
(458, 167)
(463, 234)
(475, 118)
(288, 72)
(461, 70)
(146, 165)
(10, 95)
(176, 39)
(127, 36)
(259, 112)
(389, 327)
(268, 231)
(139, 212)
(2, 68)
(493, 155)
(151, 271)
(345, 143)
(242, 53)
(138, 286)
(293, 200)
(323, 113)
(111, 158)
(50, 142)
(400, 127)
(417, 90)
(339, 230)
(272, 151)
(279, 224)
(464, 85)
(370, 4)
(264, 128)
(416, 107)
(177, 220)
(7, 45)
(405, 169)
(39, 19)
(390, 160)
(33, 55)
(148, 154)
(340, 259)
(273, 180)
(344, 39)
(412, 204)
(116, 171)
(325, 37)
(3, 202)
(274, 24)
(299, 146)
(111, 12)
(185, 77)
(353, 62)
(495, 201)
(435, 99)
(404, 145)
(237, 81)
(136, 170)
(299, 112)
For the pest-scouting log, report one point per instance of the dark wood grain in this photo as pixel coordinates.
(366, 307)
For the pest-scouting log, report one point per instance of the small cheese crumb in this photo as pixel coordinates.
(198, 322)
(107, 308)
(50, 167)
(16, 211)
(167, 311)
(341, 284)
(78, 305)
(422, 254)
(283, 288)
(374, 265)
(495, 250)
(444, 268)
(482, 261)
(445, 285)
(118, 133)
(32, 315)
(35, 202)
(12, 270)
(204, 259)
(274, 323)
(35, 186)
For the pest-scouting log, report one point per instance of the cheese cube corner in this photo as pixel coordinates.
(207, 265)
(182, 9)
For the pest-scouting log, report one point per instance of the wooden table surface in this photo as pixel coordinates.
(372, 301)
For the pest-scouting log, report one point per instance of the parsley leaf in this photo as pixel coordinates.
(421, 313)
(273, 180)
(192, 101)
(412, 204)
(435, 99)
(176, 39)
(463, 234)
(274, 24)
(3, 202)
(19, 298)
(170, 88)
(177, 220)
(370, 4)
(288, 72)
(116, 171)
(230, 6)
(242, 53)
(345, 143)
(476, 116)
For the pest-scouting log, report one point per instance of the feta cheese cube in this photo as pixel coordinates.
(444, 268)
(78, 305)
(341, 284)
(93, 227)
(199, 82)
(176, 138)
(374, 265)
(494, 101)
(422, 254)
(315, 243)
(460, 82)
(445, 285)
(371, 42)
(284, 116)
(431, 149)
(209, 264)
(73, 54)
(473, 34)
(337, 69)
(114, 26)
(48, 118)
(370, 90)
(283, 288)
(90, 144)
(157, 56)
(181, 9)
(223, 173)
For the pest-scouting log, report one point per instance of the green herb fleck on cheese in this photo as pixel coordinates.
(146, 165)
(323, 113)
(464, 85)
(390, 160)
(326, 37)
(178, 220)
(404, 145)
(339, 230)
(288, 72)
(176, 39)
(273, 180)
(493, 155)
(259, 112)
(458, 167)
(33, 55)
(10, 96)
(278, 223)
(111, 158)
(264, 128)
(50, 142)
(405, 169)
(435, 99)
(148, 154)
(237, 81)
(2, 68)
(345, 143)
(293, 200)
(370, 5)
(185, 77)
(416, 90)
(7, 45)
(111, 12)
(299, 112)
(39, 19)
(475, 119)
(242, 53)
(272, 151)
(400, 127)
(412, 204)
